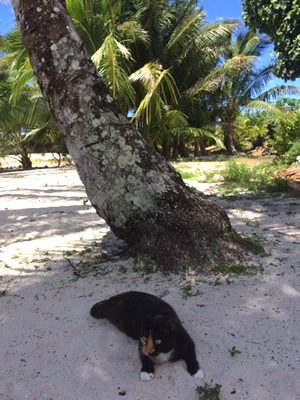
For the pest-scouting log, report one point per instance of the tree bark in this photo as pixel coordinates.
(24, 156)
(140, 196)
(175, 153)
(165, 148)
(228, 139)
(199, 149)
(182, 147)
(196, 147)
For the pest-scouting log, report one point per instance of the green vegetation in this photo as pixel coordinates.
(144, 266)
(189, 174)
(253, 245)
(257, 175)
(234, 351)
(280, 20)
(234, 269)
(286, 131)
(189, 291)
(208, 392)
(255, 178)
(83, 269)
(195, 96)
(294, 151)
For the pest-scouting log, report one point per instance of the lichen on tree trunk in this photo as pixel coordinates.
(140, 196)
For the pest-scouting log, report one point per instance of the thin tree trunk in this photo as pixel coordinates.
(200, 147)
(228, 139)
(25, 159)
(140, 196)
(196, 147)
(175, 148)
(182, 147)
(166, 151)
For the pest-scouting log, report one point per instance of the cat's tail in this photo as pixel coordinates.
(99, 309)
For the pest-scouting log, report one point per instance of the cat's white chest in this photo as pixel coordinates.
(162, 357)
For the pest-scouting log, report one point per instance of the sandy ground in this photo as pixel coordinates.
(52, 349)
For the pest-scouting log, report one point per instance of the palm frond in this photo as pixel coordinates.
(215, 34)
(218, 77)
(199, 132)
(160, 88)
(256, 81)
(85, 35)
(110, 59)
(184, 34)
(251, 45)
(133, 32)
(278, 91)
(259, 105)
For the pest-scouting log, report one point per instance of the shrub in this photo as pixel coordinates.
(240, 173)
(290, 156)
(287, 132)
(255, 178)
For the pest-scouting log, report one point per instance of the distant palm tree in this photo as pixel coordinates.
(241, 83)
(23, 114)
(16, 119)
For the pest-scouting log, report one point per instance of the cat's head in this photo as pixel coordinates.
(157, 335)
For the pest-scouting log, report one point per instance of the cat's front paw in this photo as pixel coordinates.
(146, 376)
(199, 374)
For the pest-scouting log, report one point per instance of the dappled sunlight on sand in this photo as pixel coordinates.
(289, 291)
(51, 348)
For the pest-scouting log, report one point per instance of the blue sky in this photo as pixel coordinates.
(218, 9)
(6, 18)
(215, 10)
(227, 9)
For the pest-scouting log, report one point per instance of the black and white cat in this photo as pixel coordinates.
(156, 325)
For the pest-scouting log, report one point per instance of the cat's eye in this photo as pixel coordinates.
(158, 341)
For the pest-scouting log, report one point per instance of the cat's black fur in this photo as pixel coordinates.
(155, 324)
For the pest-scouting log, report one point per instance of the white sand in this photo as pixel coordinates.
(52, 349)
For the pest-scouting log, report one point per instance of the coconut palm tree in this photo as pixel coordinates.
(124, 38)
(186, 49)
(16, 120)
(23, 114)
(241, 84)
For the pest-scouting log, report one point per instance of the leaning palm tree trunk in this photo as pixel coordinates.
(134, 189)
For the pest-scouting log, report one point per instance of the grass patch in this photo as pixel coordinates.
(87, 250)
(234, 269)
(189, 174)
(83, 269)
(144, 266)
(69, 253)
(255, 178)
(123, 270)
(207, 392)
(253, 174)
(250, 244)
(188, 291)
